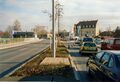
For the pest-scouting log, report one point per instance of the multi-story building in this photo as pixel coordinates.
(90, 28)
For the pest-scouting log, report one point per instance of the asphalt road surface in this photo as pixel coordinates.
(14, 57)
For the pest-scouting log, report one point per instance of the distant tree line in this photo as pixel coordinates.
(9, 30)
(115, 33)
(40, 31)
(8, 33)
(63, 33)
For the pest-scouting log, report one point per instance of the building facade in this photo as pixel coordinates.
(89, 28)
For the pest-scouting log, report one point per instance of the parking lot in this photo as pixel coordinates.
(80, 63)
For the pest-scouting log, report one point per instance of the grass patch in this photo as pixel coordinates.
(46, 70)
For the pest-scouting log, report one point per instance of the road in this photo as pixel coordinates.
(80, 63)
(14, 57)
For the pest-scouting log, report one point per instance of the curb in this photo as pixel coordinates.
(26, 61)
(74, 68)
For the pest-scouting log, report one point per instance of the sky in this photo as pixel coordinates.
(30, 13)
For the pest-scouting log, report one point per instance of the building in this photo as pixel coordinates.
(23, 34)
(90, 28)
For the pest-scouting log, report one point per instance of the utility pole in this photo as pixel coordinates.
(53, 27)
(53, 31)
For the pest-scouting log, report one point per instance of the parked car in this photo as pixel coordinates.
(105, 66)
(98, 42)
(88, 47)
(111, 44)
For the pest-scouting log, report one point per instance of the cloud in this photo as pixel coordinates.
(106, 11)
(29, 12)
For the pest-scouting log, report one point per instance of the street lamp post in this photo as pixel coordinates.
(53, 31)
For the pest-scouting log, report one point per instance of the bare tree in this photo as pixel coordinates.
(17, 26)
(40, 31)
(58, 14)
(9, 31)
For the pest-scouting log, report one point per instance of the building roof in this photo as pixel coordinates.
(92, 22)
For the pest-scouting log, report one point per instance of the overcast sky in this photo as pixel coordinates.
(29, 12)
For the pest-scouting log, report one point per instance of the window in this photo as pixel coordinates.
(105, 59)
(89, 26)
(117, 41)
(83, 26)
(118, 57)
(87, 40)
(86, 26)
(90, 44)
(99, 55)
(110, 62)
(118, 63)
(110, 41)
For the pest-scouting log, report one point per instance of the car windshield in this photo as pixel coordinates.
(90, 44)
(87, 40)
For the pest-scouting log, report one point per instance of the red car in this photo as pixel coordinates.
(111, 44)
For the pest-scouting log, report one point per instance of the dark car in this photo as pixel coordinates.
(111, 44)
(105, 66)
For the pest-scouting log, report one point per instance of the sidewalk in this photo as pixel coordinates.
(79, 64)
(26, 41)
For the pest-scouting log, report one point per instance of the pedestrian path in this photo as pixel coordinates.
(80, 63)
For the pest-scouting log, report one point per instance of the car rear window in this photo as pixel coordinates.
(87, 40)
(117, 41)
(90, 44)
